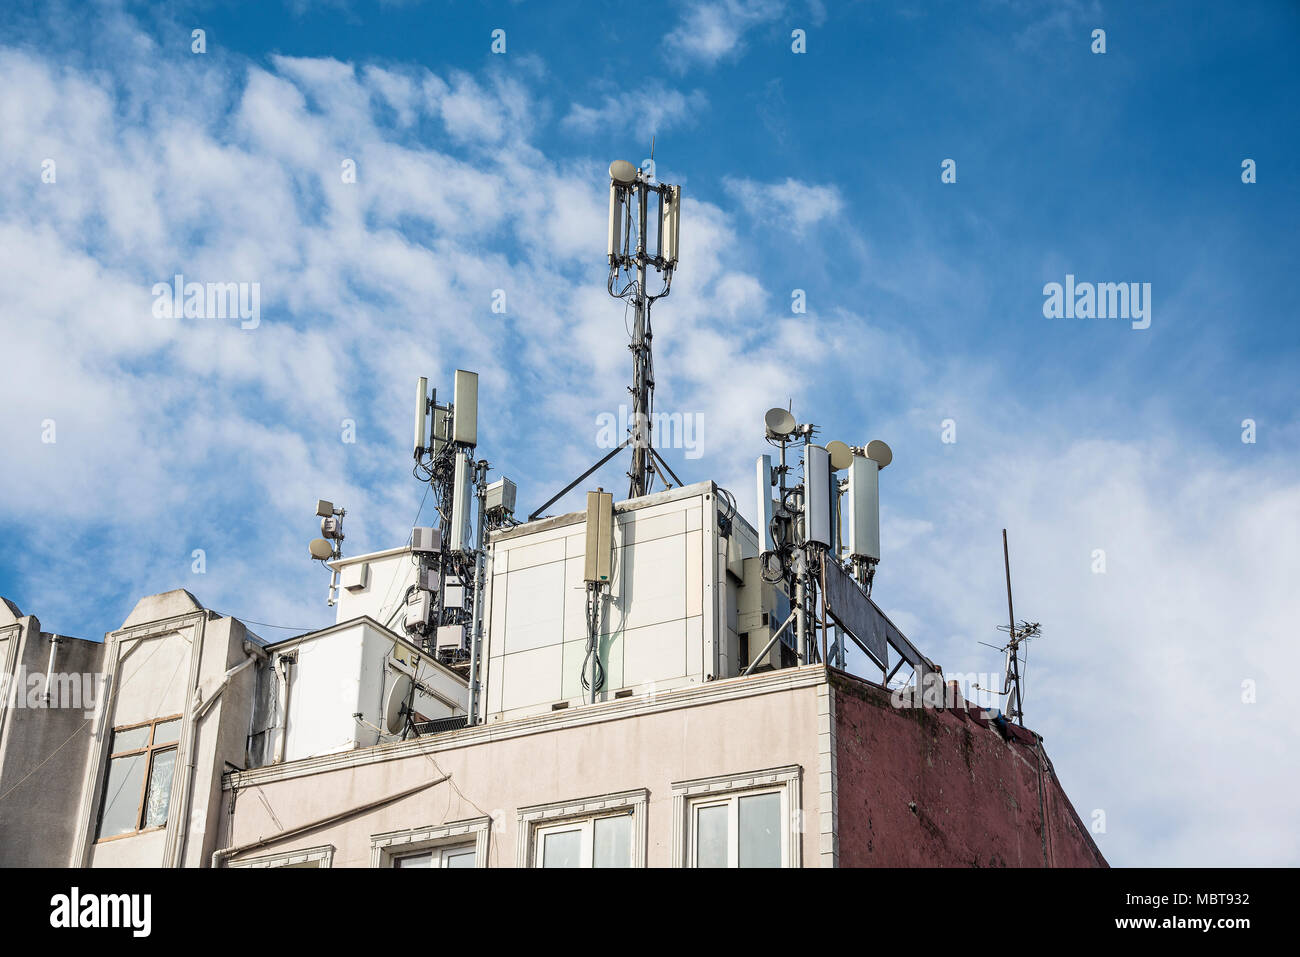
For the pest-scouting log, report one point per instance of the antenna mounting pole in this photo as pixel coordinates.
(629, 209)
(1011, 684)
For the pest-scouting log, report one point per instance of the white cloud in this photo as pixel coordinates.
(711, 31)
(645, 111)
(790, 203)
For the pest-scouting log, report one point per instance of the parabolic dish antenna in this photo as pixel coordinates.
(879, 452)
(395, 704)
(841, 455)
(779, 422)
(622, 172)
(321, 549)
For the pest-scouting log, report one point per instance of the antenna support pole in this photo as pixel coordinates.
(1015, 710)
(630, 193)
(642, 379)
(476, 607)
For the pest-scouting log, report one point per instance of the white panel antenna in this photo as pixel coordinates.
(764, 483)
(421, 415)
(615, 220)
(462, 499)
(817, 495)
(464, 422)
(669, 220)
(864, 509)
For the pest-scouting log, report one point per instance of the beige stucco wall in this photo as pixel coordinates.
(155, 675)
(629, 744)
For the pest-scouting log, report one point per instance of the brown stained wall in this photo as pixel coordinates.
(922, 787)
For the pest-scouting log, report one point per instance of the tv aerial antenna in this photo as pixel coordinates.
(631, 254)
(1017, 634)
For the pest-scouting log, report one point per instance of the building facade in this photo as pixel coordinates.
(706, 740)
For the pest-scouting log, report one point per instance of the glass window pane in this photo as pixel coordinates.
(167, 732)
(160, 788)
(561, 848)
(613, 841)
(711, 836)
(131, 740)
(760, 831)
(415, 860)
(122, 796)
(462, 857)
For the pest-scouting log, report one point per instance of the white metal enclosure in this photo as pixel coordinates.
(669, 621)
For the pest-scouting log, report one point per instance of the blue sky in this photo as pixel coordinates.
(817, 171)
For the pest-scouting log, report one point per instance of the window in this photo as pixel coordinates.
(741, 831)
(458, 844)
(460, 855)
(138, 786)
(604, 831)
(593, 842)
(313, 857)
(742, 820)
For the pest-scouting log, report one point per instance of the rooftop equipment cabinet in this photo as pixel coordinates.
(670, 605)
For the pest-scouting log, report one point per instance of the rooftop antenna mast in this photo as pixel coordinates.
(1011, 685)
(630, 214)
(630, 252)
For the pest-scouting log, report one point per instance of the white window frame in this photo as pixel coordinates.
(387, 847)
(586, 826)
(689, 796)
(539, 819)
(439, 854)
(323, 855)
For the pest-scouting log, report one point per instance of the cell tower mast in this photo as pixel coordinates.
(629, 211)
(633, 223)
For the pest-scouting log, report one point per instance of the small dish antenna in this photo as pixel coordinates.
(841, 455)
(622, 172)
(779, 422)
(395, 709)
(321, 549)
(879, 452)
